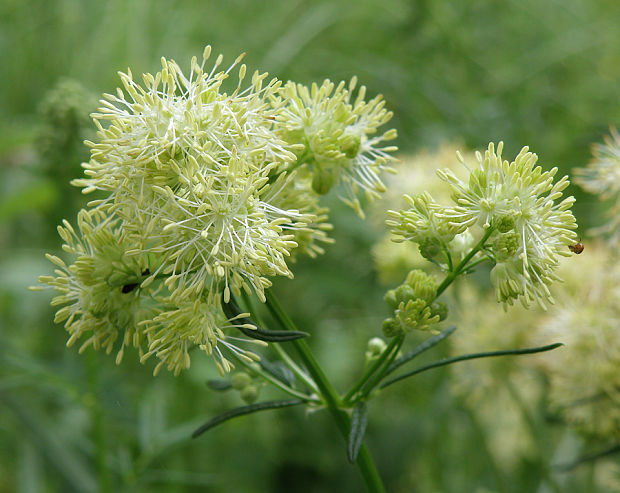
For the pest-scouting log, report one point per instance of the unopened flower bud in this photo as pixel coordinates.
(504, 224)
(391, 328)
(241, 380)
(404, 293)
(249, 394)
(391, 299)
(505, 246)
(429, 247)
(322, 181)
(423, 285)
(375, 347)
(439, 309)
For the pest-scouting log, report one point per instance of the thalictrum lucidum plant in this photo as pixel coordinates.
(205, 190)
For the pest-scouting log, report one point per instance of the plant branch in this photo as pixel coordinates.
(331, 398)
(284, 356)
(465, 357)
(372, 369)
(273, 380)
(242, 411)
(419, 349)
(463, 263)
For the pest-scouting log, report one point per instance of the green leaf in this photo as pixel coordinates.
(359, 421)
(232, 310)
(219, 385)
(278, 370)
(242, 411)
(465, 357)
(429, 343)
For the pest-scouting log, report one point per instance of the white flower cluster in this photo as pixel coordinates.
(338, 137)
(516, 206)
(206, 190)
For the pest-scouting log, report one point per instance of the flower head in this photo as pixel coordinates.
(337, 136)
(192, 172)
(107, 304)
(204, 195)
(424, 223)
(520, 200)
(414, 306)
(99, 288)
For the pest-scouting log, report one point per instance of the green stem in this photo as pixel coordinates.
(446, 253)
(483, 445)
(330, 396)
(103, 471)
(395, 342)
(272, 380)
(279, 350)
(376, 379)
(451, 276)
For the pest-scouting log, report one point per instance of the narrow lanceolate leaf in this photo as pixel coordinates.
(429, 343)
(232, 310)
(278, 370)
(220, 385)
(359, 421)
(271, 335)
(466, 357)
(242, 411)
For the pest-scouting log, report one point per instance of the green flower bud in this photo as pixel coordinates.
(249, 394)
(504, 224)
(416, 314)
(424, 286)
(350, 145)
(440, 310)
(322, 181)
(241, 380)
(391, 299)
(506, 245)
(404, 293)
(391, 328)
(375, 347)
(429, 247)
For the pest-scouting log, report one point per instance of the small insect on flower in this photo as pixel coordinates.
(577, 248)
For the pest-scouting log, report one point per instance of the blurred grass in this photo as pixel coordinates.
(543, 74)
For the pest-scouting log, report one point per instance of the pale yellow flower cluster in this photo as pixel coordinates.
(205, 188)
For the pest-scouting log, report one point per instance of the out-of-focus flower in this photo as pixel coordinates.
(602, 177)
(511, 382)
(585, 382)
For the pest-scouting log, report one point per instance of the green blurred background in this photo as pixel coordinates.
(543, 74)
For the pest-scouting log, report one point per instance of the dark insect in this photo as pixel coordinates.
(576, 248)
(128, 288)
